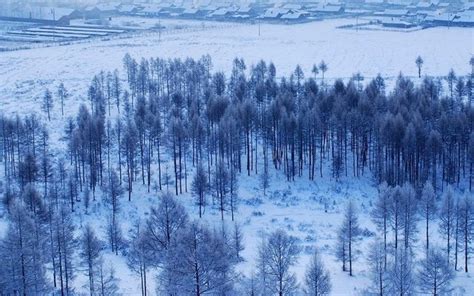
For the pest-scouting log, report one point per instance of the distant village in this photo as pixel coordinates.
(68, 20)
(397, 13)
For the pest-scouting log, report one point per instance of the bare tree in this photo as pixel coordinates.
(221, 187)
(65, 246)
(200, 187)
(428, 201)
(237, 241)
(90, 249)
(163, 224)
(410, 215)
(323, 67)
(447, 219)
(451, 80)
(471, 62)
(378, 268)
(129, 146)
(114, 192)
(265, 175)
(317, 278)
(401, 273)
(140, 255)
(467, 226)
(315, 71)
(23, 270)
(435, 275)
(108, 282)
(47, 105)
(280, 252)
(381, 215)
(200, 264)
(62, 94)
(233, 191)
(349, 233)
(419, 63)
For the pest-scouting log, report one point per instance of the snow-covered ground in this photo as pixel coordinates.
(25, 73)
(297, 207)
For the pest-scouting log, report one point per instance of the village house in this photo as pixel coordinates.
(151, 10)
(274, 13)
(128, 9)
(464, 19)
(444, 19)
(329, 9)
(392, 13)
(222, 13)
(295, 16)
(397, 23)
(194, 13)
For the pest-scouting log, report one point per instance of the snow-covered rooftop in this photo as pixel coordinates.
(127, 8)
(294, 15)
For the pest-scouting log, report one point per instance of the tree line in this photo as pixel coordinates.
(177, 126)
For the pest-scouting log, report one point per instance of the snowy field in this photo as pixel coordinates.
(26, 73)
(6, 26)
(296, 207)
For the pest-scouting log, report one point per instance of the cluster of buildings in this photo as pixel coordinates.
(427, 14)
(395, 13)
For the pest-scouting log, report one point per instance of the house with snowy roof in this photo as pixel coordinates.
(292, 6)
(274, 13)
(399, 3)
(222, 13)
(247, 10)
(426, 6)
(151, 10)
(392, 13)
(469, 6)
(329, 9)
(295, 16)
(464, 19)
(128, 9)
(397, 23)
(377, 2)
(101, 10)
(443, 19)
(108, 8)
(194, 13)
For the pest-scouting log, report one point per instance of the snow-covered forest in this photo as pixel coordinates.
(150, 186)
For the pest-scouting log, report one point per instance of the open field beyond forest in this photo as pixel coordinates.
(345, 51)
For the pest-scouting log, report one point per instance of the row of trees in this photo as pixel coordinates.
(397, 213)
(43, 254)
(193, 258)
(412, 134)
(179, 111)
(399, 210)
(40, 250)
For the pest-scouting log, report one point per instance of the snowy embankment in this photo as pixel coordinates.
(297, 207)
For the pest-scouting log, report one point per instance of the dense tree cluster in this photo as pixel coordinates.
(396, 214)
(177, 126)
